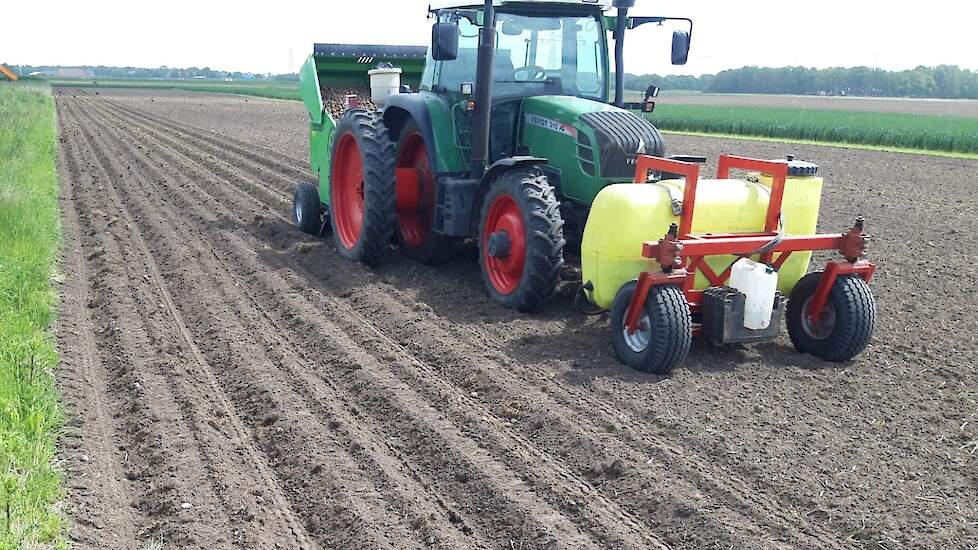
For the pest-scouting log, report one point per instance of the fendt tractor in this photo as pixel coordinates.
(505, 131)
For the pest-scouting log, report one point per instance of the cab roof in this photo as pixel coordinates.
(435, 5)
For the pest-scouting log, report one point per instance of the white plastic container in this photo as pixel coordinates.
(384, 82)
(759, 283)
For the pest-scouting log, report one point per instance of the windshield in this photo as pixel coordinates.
(534, 56)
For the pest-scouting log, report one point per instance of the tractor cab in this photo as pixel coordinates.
(537, 53)
(547, 88)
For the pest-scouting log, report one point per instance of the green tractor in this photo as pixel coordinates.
(503, 131)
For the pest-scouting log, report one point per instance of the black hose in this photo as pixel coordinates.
(584, 304)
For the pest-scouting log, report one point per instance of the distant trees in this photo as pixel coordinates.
(101, 71)
(944, 81)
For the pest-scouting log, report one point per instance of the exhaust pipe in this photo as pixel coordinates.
(620, 27)
(483, 93)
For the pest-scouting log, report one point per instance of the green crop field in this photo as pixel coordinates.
(276, 89)
(897, 130)
(30, 486)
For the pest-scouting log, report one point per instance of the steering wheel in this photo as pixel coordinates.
(531, 72)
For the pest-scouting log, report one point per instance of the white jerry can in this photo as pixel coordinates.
(759, 283)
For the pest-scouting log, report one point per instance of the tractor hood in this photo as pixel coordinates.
(602, 139)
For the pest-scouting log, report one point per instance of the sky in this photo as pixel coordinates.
(275, 37)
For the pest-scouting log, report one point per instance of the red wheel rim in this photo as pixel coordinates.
(505, 273)
(414, 224)
(347, 186)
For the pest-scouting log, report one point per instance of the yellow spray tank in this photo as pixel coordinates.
(624, 216)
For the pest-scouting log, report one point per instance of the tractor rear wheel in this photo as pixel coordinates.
(665, 329)
(307, 211)
(521, 241)
(362, 187)
(416, 201)
(846, 324)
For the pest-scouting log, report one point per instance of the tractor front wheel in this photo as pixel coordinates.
(362, 187)
(521, 241)
(665, 329)
(846, 323)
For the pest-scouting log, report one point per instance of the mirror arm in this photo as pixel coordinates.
(635, 22)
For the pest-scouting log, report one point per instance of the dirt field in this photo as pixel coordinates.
(939, 107)
(234, 383)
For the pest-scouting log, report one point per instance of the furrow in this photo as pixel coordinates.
(154, 458)
(569, 476)
(575, 485)
(291, 533)
(426, 424)
(583, 407)
(102, 499)
(232, 168)
(250, 151)
(331, 403)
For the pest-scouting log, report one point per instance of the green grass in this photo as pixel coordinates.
(30, 418)
(275, 89)
(894, 130)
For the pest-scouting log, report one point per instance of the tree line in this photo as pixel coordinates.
(172, 73)
(944, 81)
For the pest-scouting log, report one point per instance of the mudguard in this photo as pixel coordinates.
(497, 168)
(400, 108)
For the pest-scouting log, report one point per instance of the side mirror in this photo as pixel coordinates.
(651, 92)
(444, 41)
(680, 47)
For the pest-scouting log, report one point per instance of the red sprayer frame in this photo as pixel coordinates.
(680, 254)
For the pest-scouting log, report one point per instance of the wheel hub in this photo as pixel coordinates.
(415, 191)
(499, 245)
(347, 191)
(639, 340)
(503, 244)
(822, 327)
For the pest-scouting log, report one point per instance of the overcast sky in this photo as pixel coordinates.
(277, 36)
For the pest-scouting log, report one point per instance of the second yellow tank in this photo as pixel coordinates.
(624, 216)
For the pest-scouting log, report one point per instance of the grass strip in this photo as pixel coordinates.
(30, 417)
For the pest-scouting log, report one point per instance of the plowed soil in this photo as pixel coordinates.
(232, 382)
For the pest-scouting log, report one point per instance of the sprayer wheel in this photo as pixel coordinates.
(665, 331)
(362, 188)
(846, 324)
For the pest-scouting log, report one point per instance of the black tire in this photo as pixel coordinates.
(307, 211)
(543, 237)
(435, 249)
(669, 333)
(376, 156)
(845, 328)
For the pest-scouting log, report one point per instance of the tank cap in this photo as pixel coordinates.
(799, 168)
